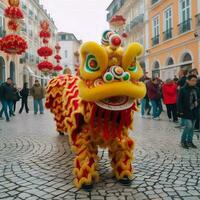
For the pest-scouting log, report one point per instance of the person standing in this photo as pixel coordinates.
(154, 95)
(7, 99)
(188, 103)
(24, 95)
(37, 91)
(16, 97)
(169, 90)
(145, 101)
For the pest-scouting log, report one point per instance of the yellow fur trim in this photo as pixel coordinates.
(126, 88)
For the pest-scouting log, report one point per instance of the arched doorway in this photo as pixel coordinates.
(2, 70)
(169, 61)
(12, 71)
(187, 59)
(169, 71)
(156, 69)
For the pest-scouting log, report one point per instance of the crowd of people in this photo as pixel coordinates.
(10, 95)
(181, 97)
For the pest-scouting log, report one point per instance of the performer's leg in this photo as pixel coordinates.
(121, 153)
(85, 170)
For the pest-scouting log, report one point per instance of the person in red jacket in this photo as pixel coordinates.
(169, 90)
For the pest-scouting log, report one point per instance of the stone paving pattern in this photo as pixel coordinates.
(36, 163)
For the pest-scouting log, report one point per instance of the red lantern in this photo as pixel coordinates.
(13, 44)
(45, 41)
(58, 57)
(45, 66)
(45, 34)
(124, 35)
(13, 13)
(45, 52)
(117, 20)
(58, 68)
(13, 25)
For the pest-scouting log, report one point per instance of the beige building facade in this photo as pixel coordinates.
(136, 14)
(24, 68)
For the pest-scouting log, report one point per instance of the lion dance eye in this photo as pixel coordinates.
(133, 69)
(91, 64)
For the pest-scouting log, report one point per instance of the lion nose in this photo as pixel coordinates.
(116, 73)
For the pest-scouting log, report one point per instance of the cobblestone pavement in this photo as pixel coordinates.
(36, 163)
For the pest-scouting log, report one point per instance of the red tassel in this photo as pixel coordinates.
(99, 119)
(106, 122)
(113, 124)
(128, 117)
(92, 120)
(121, 124)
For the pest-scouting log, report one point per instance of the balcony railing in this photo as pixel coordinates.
(185, 26)
(137, 20)
(155, 40)
(167, 34)
(2, 32)
(154, 1)
(198, 19)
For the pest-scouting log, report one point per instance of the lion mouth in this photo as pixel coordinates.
(116, 103)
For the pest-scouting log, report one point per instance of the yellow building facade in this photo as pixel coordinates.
(174, 37)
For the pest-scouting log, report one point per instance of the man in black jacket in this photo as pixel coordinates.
(6, 96)
(188, 103)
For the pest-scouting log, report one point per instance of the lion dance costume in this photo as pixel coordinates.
(96, 108)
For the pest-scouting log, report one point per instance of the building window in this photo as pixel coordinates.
(156, 70)
(2, 24)
(63, 37)
(66, 53)
(156, 30)
(185, 16)
(168, 23)
(154, 1)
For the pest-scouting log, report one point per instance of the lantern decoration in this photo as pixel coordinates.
(57, 57)
(13, 43)
(124, 35)
(117, 20)
(45, 51)
(45, 66)
(58, 68)
(117, 23)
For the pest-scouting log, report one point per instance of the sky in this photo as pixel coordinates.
(85, 18)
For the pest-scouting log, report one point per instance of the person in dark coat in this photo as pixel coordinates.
(182, 78)
(16, 97)
(154, 95)
(7, 98)
(188, 105)
(145, 106)
(24, 95)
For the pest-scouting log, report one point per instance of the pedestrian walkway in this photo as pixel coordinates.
(36, 163)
